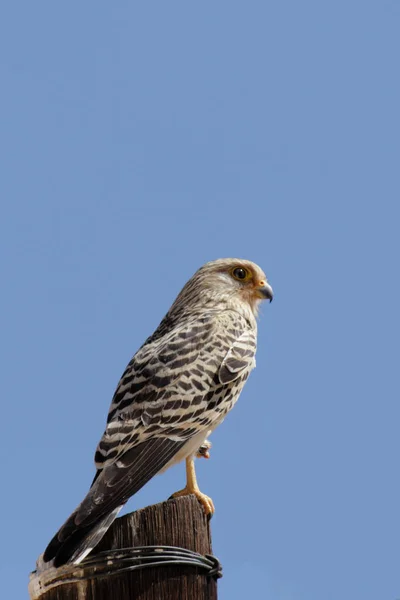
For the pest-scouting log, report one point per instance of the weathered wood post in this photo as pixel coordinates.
(120, 570)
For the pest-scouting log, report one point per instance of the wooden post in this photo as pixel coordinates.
(178, 522)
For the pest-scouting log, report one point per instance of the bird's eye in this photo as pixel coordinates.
(240, 273)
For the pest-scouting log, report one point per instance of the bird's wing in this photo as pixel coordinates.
(167, 383)
(154, 391)
(156, 407)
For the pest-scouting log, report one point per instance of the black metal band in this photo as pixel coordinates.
(111, 562)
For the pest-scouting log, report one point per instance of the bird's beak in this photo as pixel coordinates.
(264, 291)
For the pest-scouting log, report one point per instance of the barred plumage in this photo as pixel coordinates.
(174, 392)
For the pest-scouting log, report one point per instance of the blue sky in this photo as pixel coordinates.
(137, 143)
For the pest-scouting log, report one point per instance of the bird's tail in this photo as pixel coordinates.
(111, 488)
(78, 542)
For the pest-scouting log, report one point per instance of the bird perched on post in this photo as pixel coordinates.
(176, 389)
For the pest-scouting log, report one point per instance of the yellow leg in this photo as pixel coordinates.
(192, 488)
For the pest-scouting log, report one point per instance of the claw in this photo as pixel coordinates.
(203, 451)
(205, 501)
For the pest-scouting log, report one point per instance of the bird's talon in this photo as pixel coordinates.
(204, 450)
(205, 501)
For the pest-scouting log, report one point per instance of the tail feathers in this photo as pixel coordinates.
(79, 542)
(110, 490)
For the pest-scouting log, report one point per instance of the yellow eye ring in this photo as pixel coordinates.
(240, 273)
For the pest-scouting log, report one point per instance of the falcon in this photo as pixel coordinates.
(177, 388)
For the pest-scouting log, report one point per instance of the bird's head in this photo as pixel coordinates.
(227, 283)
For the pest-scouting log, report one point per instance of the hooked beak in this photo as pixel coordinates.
(264, 291)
